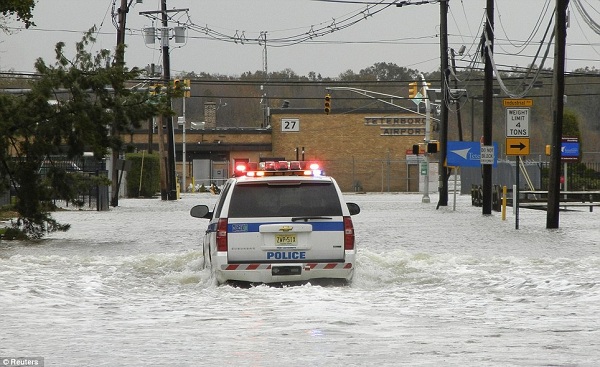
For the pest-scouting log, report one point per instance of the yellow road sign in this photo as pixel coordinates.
(517, 146)
(517, 102)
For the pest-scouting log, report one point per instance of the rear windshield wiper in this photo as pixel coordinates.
(307, 218)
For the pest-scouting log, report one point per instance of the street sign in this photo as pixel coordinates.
(517, 122)
(517, 102)
(424, 169)
(487, 154)
(569, 149)
(467, 154)
(517, 146)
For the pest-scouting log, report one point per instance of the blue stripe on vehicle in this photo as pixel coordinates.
(253, 227)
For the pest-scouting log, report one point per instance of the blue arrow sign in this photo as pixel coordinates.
(467, 154)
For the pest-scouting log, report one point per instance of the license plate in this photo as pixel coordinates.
(285, 239)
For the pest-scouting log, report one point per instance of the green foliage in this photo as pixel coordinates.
(571, 124)
(12, 234)
(146, 167)
(22, 9)
(96, 109)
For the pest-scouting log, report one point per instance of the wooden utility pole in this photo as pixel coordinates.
(558, 92)
(168, 181)
(443, 172)
(171, 177)
(488, 106)
(120, 59)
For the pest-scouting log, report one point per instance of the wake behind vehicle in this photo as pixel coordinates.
(278, 222)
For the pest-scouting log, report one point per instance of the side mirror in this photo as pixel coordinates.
(201, 211)
(353, 208)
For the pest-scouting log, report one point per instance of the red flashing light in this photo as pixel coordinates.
(278, 168)
(295, 165)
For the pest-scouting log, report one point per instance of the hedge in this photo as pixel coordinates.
(147, 167)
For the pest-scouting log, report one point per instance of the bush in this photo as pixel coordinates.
(146, 167)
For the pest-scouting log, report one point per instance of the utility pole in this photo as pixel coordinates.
(424, 88)
(443, 173)
(558, 92)
(457, 101)
(120, 60)
(488, 96)
(171, 180)
(168, 181)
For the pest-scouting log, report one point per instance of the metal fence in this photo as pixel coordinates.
(354, 174)
(575, 176)
(95, 198)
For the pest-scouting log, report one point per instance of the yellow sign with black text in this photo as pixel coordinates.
(517, 102)
(517, 146)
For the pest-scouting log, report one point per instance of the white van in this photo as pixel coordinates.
(280, 222)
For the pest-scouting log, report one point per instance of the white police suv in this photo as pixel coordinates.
(279, 221)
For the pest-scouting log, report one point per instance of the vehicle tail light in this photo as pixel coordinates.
(348, 234)
(222, 235)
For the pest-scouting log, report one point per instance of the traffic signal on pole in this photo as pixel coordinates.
(327, 103)
(433, 146)
(412, 90)
(187, 88)
(155, 89)
(177, 87)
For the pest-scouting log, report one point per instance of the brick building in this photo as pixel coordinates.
(363, 150)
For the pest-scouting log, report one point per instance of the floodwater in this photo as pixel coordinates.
(432, 288)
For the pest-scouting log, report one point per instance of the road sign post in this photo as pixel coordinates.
(517, 139)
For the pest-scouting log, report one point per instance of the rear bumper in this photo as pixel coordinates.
(284, 272)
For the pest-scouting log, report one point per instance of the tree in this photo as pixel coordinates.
(90, 96)
(387, 71)
(22, 9)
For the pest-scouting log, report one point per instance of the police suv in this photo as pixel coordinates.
(279, 221)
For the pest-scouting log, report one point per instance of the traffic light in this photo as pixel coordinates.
(177, 85)
(187, 88)
(327, 103)
(155, 89)
(433, 146)
(412, 90)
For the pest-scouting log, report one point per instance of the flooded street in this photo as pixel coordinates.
(433, 287)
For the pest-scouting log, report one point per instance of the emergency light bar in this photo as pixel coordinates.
(278, 168)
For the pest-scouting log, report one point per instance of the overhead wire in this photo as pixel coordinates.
(587, 18)
(316, 30)
(512, 94)
(585, 36)
(533, 33)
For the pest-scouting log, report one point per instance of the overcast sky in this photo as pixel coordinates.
(407, 36)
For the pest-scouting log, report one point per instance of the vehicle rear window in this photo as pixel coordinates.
(305, 199)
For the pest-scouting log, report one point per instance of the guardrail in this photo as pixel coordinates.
(538, 199)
